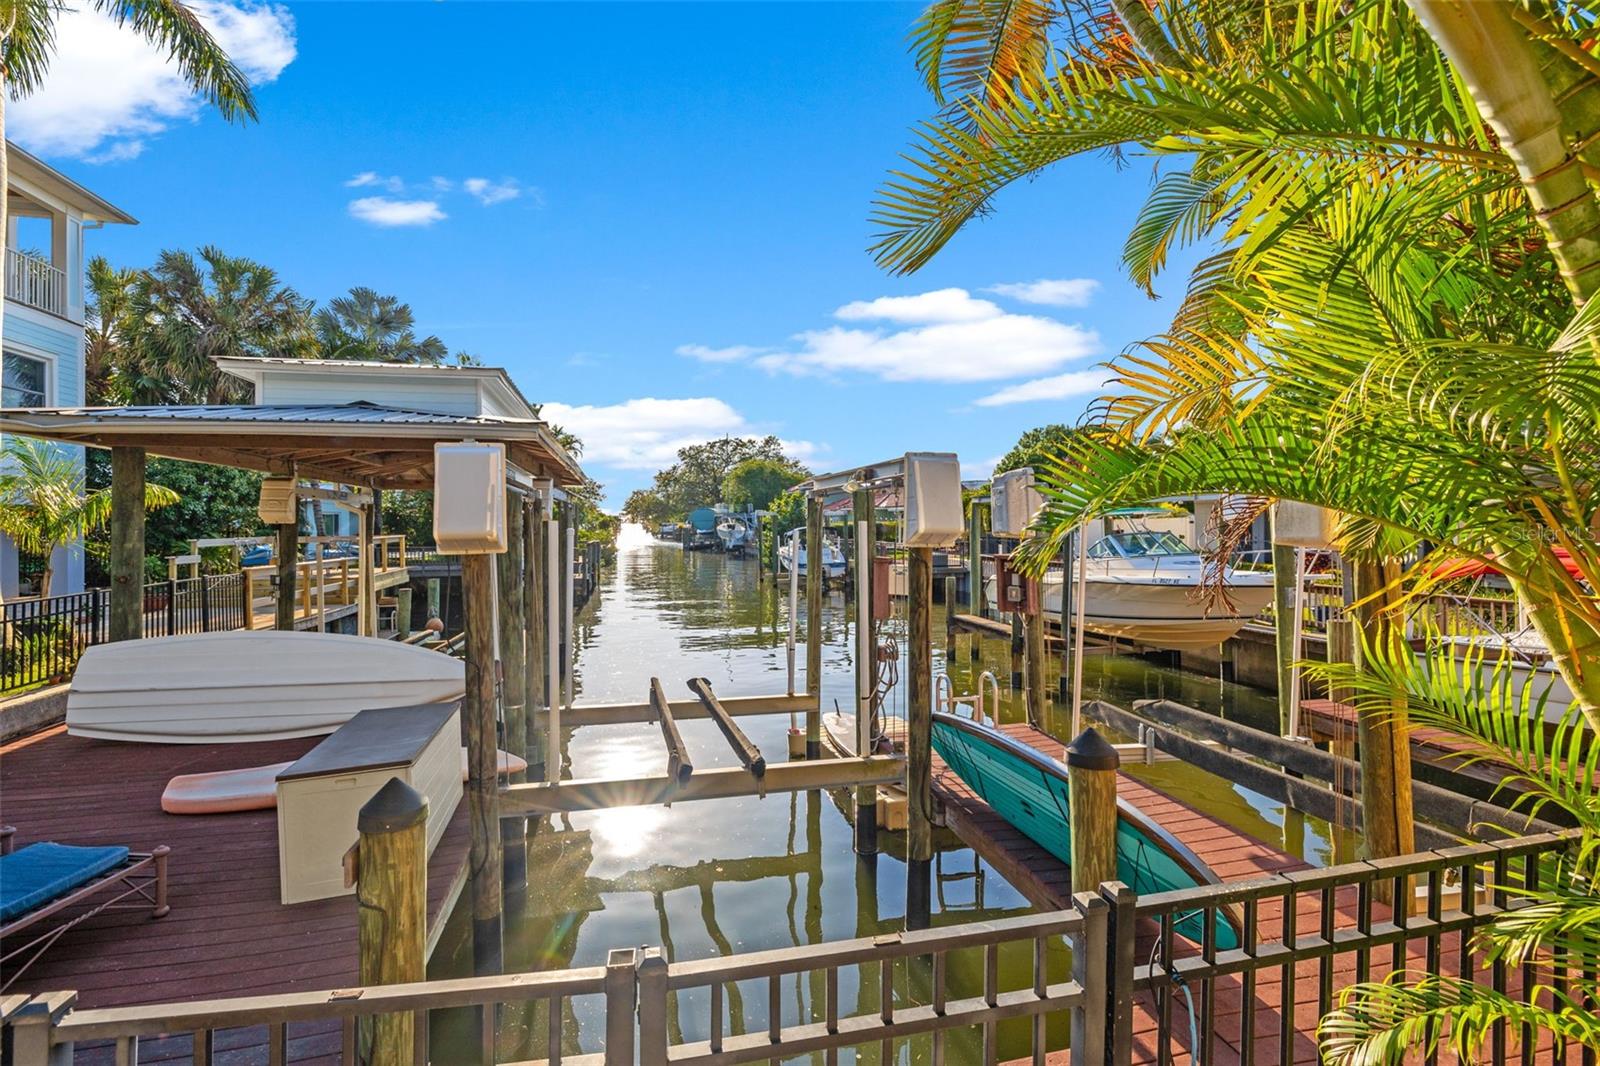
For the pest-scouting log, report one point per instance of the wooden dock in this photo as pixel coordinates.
(227, 934)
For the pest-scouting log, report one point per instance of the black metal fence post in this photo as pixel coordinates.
(1119, 971)
(205, 603)
(172, 607)
(96, 609)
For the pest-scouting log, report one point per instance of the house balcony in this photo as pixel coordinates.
(36, 282)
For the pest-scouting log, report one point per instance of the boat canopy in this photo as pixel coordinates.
(1472, 568)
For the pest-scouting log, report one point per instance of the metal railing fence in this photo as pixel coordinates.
(1139, 991)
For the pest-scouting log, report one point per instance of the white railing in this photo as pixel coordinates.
(35, 282)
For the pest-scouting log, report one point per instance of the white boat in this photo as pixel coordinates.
(244, 686)
(734, 533)
(1145, 586)
(1523, 659)
(794, 542)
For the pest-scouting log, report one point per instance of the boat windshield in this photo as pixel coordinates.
(1139, 544)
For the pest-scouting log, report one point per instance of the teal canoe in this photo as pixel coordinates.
(1029, 790)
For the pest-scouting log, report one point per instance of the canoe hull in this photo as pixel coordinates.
(248, 686)
(1030, 791)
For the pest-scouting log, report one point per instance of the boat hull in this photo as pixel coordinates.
(1160, 613)
(248, 686)
(1029, 790)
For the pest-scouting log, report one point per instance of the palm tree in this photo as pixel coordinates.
(43, 502)
(27, 43)
(188, 312)
(369, 325)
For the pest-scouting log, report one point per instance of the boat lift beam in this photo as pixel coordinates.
(682, 710)
(679, 765)
(749, 755)
(593, 794)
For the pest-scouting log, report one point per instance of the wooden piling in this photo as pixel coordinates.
(864, 510)
(1386, 811)
(1019, 645)
(975, 601)
(287, 557)
(434, 599)
(1034, 654)
(919, 705)
(127, 544)
(1283, 599)
(1092, 810)
(816, 573)
(391, 912)
(564, 618)
(402, 612)
(534, 593)
(1069, 592)
(513, 679)
(483, 792)
(949, 618)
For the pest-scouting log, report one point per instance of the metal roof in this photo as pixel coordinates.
(356, 443)
(28, 167)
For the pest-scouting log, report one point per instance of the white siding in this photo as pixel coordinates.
(434, 393)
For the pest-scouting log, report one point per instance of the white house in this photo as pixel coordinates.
(42, 331)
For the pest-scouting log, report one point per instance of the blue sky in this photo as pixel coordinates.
(654, 215)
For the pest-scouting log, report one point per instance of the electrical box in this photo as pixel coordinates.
(1014, 502)
(882, 589)
(1302, 525)
(279, 505)
(933, 500)
(469, 498)
(1013, 591)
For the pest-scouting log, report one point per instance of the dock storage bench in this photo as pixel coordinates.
(320, 795)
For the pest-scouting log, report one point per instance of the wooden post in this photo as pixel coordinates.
(552, 614)
(1069, 591)
(366, 587)
(949, 618)
(287, 557)
(569, 533)
(1033, 636)
(483, 791)
(434, 598)
(513, 680)
(127, 544)
(974, 565)
(1283, 600)
(919, 732)
(391, 912)
(402, 612)
(864, 509)
(1019, 647)
(1092, 810)
(1386, 812)
(1341, 649)
(815, 574)
(533, 582)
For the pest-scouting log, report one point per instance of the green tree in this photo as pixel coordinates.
(409, 511)
(755, 483)
(28, 44)
(647, 508)
(696, 479)
(187, 311)
(366, 324)
(44, 502)
(1034, 447)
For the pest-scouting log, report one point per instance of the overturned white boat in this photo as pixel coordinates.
(1145, 586)
(794, 546)
(245, 686)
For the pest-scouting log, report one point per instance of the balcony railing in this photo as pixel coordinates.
(33, 281)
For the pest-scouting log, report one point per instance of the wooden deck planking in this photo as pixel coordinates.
(227, 934)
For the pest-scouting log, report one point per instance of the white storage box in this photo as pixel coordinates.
(933, 500)
(320, 795)
(1014, 502)
(469, 498)
(1302, 525)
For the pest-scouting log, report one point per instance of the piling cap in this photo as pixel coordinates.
(393, 807)
(1090, 751)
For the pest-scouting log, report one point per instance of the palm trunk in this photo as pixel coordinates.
(1574, 641)
(1500, 65)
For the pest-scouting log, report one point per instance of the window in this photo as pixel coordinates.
(22, 383)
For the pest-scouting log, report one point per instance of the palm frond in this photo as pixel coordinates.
(173, 27)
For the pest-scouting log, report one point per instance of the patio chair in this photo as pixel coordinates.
(46, 880)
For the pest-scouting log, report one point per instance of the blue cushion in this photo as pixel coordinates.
(33, 876)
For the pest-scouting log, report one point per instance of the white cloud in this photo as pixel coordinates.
(941, 305)
(646, 433)
(108, 89)
(382, 211)
(1059, 387)
(441, 184)
(947, 335)
(705, 354)
(979, 469)
(489, 193)
(371, 178)
(1056, 292)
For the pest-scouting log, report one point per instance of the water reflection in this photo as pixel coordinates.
(704, 879)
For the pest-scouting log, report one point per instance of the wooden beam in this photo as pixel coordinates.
(513, 679)
(287, 559)
(127, 544)
(391, 912)
(816, 573)
(749, 755)
(533, 582)
(721, 783)
(485, 862)
(679, 765)
(919, 704)
(1092, 816)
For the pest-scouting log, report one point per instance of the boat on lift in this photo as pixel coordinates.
(735, 533)
(1145, 586)
(249, 685)
(1029, 790)
(794, 546)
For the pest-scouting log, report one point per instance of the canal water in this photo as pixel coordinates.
(704, 879)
